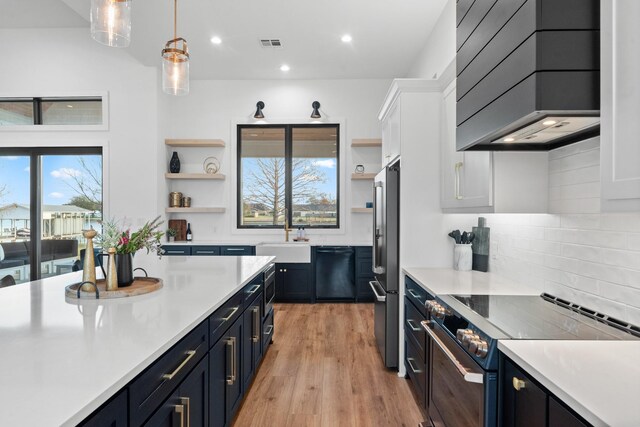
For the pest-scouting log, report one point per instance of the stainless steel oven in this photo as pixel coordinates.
(269, 288)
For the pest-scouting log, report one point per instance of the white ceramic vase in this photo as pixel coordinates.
(462, 257)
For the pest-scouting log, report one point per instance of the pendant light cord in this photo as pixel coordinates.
(175, 23)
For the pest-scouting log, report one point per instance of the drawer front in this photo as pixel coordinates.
(417, 295)
(364, 252)
(205, 250)
(412, 319)
(237, 250)
(252, 290)
(267, 331)
(113, 414)
(154, 385)
(176, 250)
(417, 370)
(528, 402)
(224, 317)
(364, 267)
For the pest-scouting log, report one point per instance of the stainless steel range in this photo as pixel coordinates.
(464, 331)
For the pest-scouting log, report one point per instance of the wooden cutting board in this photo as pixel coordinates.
(180, 225)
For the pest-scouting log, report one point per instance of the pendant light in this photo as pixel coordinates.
(111, 22)
(175, 62)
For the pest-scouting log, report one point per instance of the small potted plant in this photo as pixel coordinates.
(171, 234)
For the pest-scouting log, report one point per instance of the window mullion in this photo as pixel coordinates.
(35, 213)
(288, 184)
(37, 111)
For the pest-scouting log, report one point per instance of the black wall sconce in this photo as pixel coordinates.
(259, 107)
(315, 114)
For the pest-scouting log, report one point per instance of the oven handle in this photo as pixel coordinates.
(469, 377)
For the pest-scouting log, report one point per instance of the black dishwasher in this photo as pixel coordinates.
(335, 273)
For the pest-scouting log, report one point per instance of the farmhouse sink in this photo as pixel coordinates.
(286, 251)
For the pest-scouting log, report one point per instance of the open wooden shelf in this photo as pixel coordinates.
(217, 176)
(194, 142)
(363, 176)
(194, 210)
(361, 210)
(366, 142)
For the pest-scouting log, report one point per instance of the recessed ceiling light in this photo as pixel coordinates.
(549, 122)
(284, 67)
(346, 38)
(509, 139)
(216, 40)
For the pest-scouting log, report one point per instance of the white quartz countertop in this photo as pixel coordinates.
(443, 281)
(600, 380)
(61, 359)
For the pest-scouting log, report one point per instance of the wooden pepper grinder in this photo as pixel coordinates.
(112, 275)
(89, 267)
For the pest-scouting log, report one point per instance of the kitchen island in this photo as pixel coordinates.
(61, 359)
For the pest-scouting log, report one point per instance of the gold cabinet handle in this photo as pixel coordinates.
(189, 354)
(518, 384)
(230, 315)
(256, 325)
(186, 402)
(178, 413)
(231, 353)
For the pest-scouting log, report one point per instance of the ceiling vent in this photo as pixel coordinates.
(271, 43)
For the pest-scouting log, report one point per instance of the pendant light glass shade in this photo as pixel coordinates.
(175, 62)
(315, 114)
(111, 22)
(175, 67)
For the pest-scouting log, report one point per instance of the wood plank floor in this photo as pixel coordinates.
(324, 369)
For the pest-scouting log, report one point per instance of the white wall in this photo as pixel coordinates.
(212, 110)
(440, 48)
(66, 62)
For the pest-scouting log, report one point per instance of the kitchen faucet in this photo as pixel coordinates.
(286, 225)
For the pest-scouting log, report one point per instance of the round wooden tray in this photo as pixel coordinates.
(140, 286)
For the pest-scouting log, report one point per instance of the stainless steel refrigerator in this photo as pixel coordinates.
(386, 260)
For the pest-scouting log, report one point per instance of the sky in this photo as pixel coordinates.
(57, 182)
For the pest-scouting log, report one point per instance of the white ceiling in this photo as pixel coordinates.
(387, 34)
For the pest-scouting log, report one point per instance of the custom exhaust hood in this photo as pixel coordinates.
(528, 74)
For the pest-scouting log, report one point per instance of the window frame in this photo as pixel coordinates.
(35, 192)
(288, 132)
(37, 125)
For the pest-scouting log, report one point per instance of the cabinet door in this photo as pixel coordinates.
(251, 340)
(293, 282)
(524, 403)
(466, 176)
(391, 134)
(188, 405)
(620, 105)
(113, 414)
(225, 371)
(559, 416)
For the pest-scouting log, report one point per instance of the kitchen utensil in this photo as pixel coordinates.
(472, 236)
(465, 238)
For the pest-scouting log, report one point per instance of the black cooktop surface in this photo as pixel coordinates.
(545, 317)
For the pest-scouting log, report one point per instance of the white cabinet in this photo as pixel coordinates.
(620, 105)
(466, 176)
(391, 134)
(482, 181)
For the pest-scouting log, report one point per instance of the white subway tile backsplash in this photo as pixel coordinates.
(588, 257)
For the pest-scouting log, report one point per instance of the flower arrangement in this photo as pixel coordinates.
(115, 235)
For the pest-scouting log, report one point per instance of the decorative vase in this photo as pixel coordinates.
(124, 267)
(89, 267)
(112, 274)
(174, 164)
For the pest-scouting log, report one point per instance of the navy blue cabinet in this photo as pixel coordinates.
(189, 404)
(364, 274)
(112, 414)
(293, 282)
(252, 340)
(208, 250)
(225, 370)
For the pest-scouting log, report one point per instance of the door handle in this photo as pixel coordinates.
(170, 376)
(415, 370)
(253, 290)
(268, 330)
(413, 294)
(457, 167)
(178, 415)
(256, 325)
(470, 377)
(187, 409)
(413, 326)
(380, 298)
(204, 252)
(230, 315)
(231, 354)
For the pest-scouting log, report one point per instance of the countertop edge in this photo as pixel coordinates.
(122, 382)
(566, 398)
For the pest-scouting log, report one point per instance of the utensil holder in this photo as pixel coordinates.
(462, 257)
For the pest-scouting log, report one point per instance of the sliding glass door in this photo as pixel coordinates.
(47, 197)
